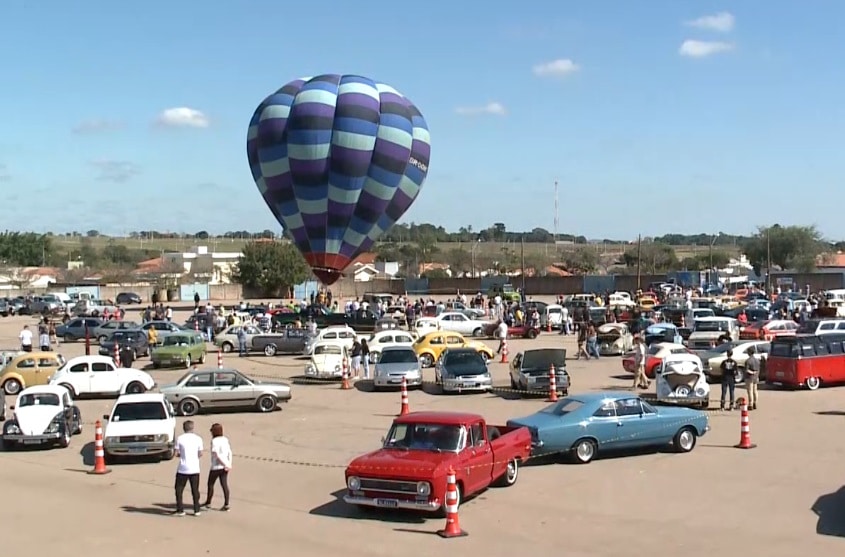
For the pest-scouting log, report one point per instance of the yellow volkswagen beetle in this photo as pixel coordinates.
(28, 369)
(429, 346)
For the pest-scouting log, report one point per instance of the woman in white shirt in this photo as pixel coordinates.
(221, 464)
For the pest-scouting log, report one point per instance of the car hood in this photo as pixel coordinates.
(170, 350)
(400, 463)
(326, 362)
(397, 368)
(33, 420)
(139, 427)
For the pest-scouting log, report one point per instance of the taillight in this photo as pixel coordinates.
(761, 335)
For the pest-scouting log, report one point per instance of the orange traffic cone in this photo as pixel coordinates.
(745, 427)
(552, 384)
(99, 451)
(453, 526)
(406, 408)
(117, 354)
(219, 359)
(345, 385)
(504, 359)
(548, 326)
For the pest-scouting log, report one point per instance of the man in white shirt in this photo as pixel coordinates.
(26, 339)
(640, 379)
(501, 334)
(189, 450)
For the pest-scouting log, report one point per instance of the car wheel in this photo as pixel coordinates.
(485, 357)
(135, 388)
(266, 403)
(189, 407)
(227, 347)
(169, 455)
(188, 361)
(684, 440)
(584, 451)
(109, 458)
(68, 338)
(477, 332)
(511, 474)
(64, 440)
(460, 497)
(12, 387)
(156, 365)
(374, 356)
(513, 384)
(426, 360)
(813, 383)
(270, 350)
(532, 333)
(202, 358)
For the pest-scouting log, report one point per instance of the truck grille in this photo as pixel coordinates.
(701, 344)
(389, 486)
(137, 439)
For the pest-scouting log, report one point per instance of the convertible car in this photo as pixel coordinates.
(590, 423)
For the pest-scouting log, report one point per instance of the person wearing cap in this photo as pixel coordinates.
(640, 379)
(729, 367)
(752, 377)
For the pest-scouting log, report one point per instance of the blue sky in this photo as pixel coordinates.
(655, 116)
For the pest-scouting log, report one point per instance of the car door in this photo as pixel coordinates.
(402, 338)
(477, 458)
(104, 378)
(228, 392)
(637, 428)
(27, 368)
(46, 367)
(461, 324)
(202, 387)
(78, 377)
(605, 426)
(294, 340)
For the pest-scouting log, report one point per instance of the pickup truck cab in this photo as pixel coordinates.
(409, 471)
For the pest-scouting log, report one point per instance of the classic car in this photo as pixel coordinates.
(517, 330)
(75, 328)
(140, 425)
(462, 369)
(425, 325)
(136, 339)
(555, 315)
(386, 324)
(163, 329)
(29, 369)
(362, 320)
(409, 471)
(768, 330)
(341, 334)
(708, 331)
(397, 362)
(179, 349)
(43, 414)
(662, 332)
(93, 308)
(591, 423)
(328, 358)
(457, 322)
(383, 339)
(531, 370)
(286, 341)
(128, 298)
(506, 292)
(104, 331)
(227, 340)
(680, 379)
(654, 355)
(713, 358)
(7, 356)
(614, 339)
(199, 391)
(430, 346)
(98, 375)
(620, 300)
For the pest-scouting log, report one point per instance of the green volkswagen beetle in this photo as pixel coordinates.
(180, 350)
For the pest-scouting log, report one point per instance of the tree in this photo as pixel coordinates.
(25, 249)
(790, 247)
(459, 261)
(652, 258)
(582, 260)
(270, 267)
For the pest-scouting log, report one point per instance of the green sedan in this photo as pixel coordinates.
(180, 350)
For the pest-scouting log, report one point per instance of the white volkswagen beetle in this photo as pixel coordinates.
(680, 379)
(385, 339)
(425, 325)
(98, 375)
(44, 415)
(327, 360)
(614, 339)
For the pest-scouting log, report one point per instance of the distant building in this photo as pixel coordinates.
(24, 278)
(365, 268)
(204, 266)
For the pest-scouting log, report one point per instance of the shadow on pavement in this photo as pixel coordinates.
(156, 509)
(337, 508)
(87, 454)
(830, 509)
(830, 413)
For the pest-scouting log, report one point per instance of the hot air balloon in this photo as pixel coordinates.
(338, 159)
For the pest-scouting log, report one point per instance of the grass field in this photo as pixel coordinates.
(66, 243)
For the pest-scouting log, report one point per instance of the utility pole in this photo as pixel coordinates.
(522, 247)
(768, 262)
(557, 222)
(639, 260)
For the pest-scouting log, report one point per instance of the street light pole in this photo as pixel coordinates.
(472, 254)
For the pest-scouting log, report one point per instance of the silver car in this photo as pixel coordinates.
(223, 388)
(395, 363)
(462, 369)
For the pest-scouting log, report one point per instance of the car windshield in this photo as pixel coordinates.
(175, 340)
(38, 399)
(710, 326)
(464, 363)
(125, 336)
(425, 437)
(724, 347)
(131, 412)
(325, 349)
(543, 359)
(563, 406)
(398, 357)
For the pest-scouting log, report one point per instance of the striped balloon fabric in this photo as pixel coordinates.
(338, 159)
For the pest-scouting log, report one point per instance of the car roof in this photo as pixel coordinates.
(48, 389)
(397, 348)
(461, 349)
(714, 318)
(93, 358)
(587, 398)
(446, 418)
(143, 397)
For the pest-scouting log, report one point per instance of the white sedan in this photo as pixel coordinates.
(425, 325)
(98, 375)
(457, 322)
(384, 339)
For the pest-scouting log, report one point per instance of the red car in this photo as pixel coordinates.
(654, 355)
(514, 331)
(768, 330)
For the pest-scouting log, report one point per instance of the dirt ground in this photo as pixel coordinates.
(785, 497)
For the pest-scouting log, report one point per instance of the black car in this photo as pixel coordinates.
(136, 339)
(128, 298)
(531, 370)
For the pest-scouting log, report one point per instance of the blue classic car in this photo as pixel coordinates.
(586, 424)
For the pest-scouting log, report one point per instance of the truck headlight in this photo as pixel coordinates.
(160, 438)
(353, 483)
(111, 440)
(12, 428)
(423, 488)
(54, 426)
(310, 369)
(530, 379)
(337, 368)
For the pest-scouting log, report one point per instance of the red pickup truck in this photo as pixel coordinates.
(409, 471)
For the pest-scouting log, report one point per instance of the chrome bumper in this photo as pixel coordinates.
(33, 439)
(428, 506)
(137, 449)
(396, 382)
(471, 386)
(325, 374)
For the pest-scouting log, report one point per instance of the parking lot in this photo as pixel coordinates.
(785, 497)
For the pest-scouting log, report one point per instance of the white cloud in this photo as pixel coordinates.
(97, 126)
(494, 108)
(116, 171)
(183, 117)
(556, 68)
(722, 22)
(702, 49)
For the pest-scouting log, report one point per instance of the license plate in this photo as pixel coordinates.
(390, 503)
(31, 442)
(396, 381)
(137, 450)
(779, 374)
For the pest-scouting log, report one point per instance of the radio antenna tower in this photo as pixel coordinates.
(556, 215)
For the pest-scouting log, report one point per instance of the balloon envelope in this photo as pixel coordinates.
(338, 159)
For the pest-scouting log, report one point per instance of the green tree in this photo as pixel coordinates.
(582, 260)
(790, 247)
(25, 249)
(652, 258)
(270, 267)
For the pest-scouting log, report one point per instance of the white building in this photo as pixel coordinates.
(365, 272)
(213, 267)
(28, 278)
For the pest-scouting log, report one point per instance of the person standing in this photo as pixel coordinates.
(152, 337)
(189, 449)
(356, 359)
(242, 348)
(582, 341)
(365, 357)
(592, 340)
(26, 339)
(44, 338)
(221, 465)
(502, 335)
(752, 377)
(640, 379)
(729, 367)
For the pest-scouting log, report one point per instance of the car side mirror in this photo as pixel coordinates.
(106, 417)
